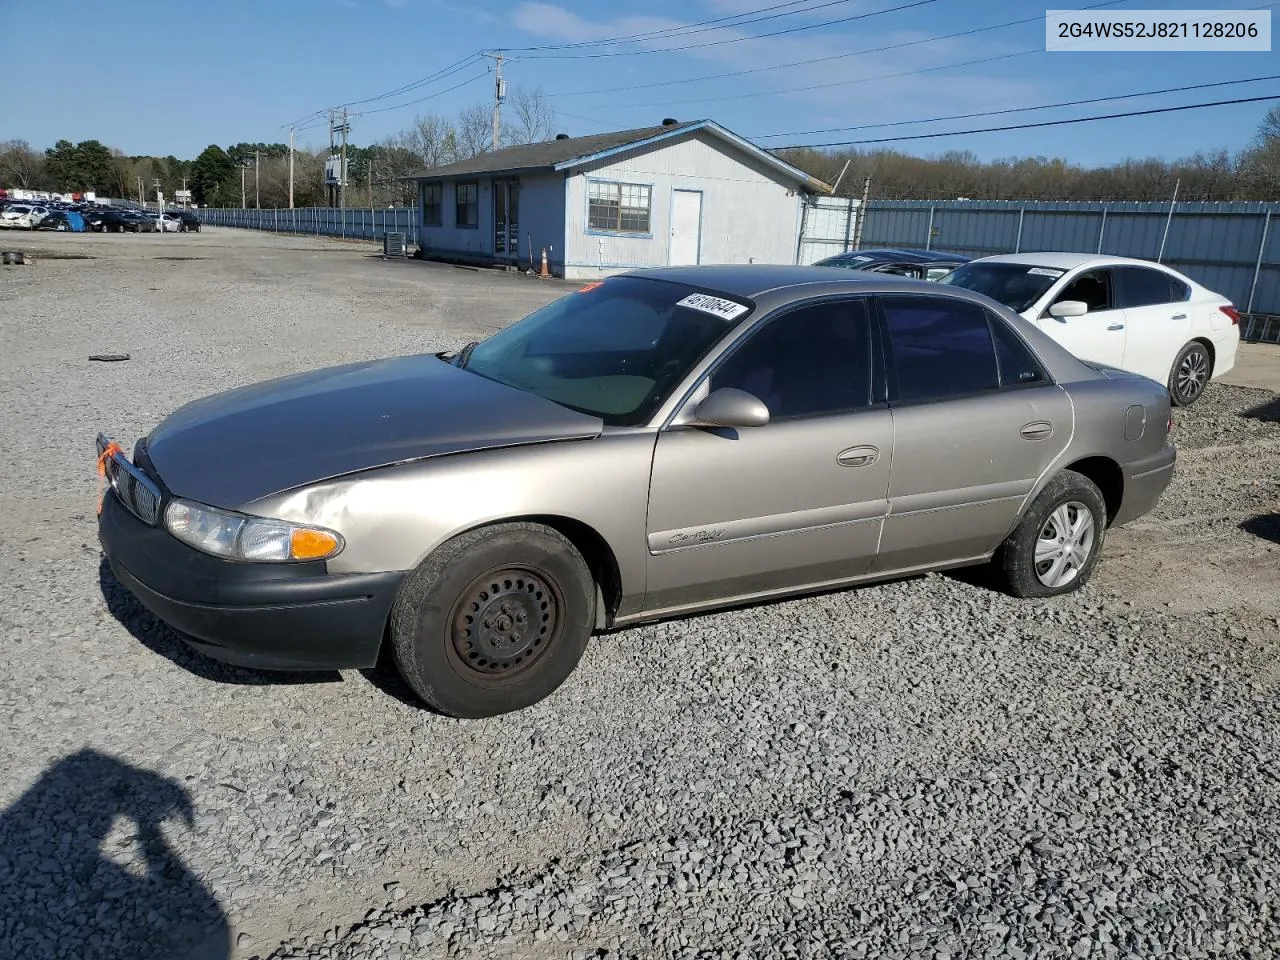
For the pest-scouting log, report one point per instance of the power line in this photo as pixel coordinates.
(1032, 126)
(718, 23)
(756, 36)
(440, 74)
(996, 113)
(826, 59)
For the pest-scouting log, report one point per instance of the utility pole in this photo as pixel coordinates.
(290, 168)
(342, 164)
(499, 94)
(155, 182)
(257, 193)
(142, 197)
(329, 187)
(243, 205)
(862, 213)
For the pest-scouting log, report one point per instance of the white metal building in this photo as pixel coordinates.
(679, 193)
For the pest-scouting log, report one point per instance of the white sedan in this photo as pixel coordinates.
(1132, 314)
(22, 216)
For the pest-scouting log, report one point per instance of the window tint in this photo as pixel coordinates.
(1144, 287)
(813, 360)
(940, 348)
(1017, 364)
(1093, 288)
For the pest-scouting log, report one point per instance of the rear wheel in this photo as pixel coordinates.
(1190, 374)
(494, 620)
(1055, 546)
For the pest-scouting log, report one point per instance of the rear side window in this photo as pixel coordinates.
(1144, 287)
(1017, 363)
(940, 348)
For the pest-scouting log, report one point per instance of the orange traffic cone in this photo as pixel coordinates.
(545, 274)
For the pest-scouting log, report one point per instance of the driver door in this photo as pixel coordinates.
(1099, 335)
(742, 512)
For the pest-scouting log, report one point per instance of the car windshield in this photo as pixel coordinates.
(1016, 285)
(614, 349)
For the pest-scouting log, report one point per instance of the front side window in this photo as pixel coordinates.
(433, 204)
(619, 207)
(1094, 289)
(940, 348)
(467, 203)
(615, 349)
(811, 361)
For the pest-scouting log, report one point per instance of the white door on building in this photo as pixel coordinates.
(686, 227)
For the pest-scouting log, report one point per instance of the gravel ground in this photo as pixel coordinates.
(925, 768)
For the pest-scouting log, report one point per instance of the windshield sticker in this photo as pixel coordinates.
(1045, 272)
(863, 257)
(720, 307)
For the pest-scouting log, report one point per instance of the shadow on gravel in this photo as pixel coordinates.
(160, 638)
(1265, 526)
(86, 870)
(1268, 412)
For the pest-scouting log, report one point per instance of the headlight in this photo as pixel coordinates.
(237, 536)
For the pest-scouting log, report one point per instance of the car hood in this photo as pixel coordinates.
(232, 448)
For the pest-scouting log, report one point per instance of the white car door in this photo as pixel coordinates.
(1098, 335)
(1158, 319)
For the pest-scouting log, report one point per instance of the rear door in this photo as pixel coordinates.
(735, 513)
(976, 422)
(1099, 335)
(1158, 317)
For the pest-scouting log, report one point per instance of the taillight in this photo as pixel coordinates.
(1231, 313)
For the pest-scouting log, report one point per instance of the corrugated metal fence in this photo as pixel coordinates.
(367, 223)
(1232, 248)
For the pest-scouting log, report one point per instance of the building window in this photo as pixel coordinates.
(468, 204)
(619, 207)
(433, 204)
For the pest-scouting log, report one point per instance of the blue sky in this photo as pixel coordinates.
(172, 76)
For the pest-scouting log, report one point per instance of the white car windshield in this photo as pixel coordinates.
(1016, 285)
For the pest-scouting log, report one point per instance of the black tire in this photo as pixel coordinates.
(470, 650)
(1016, 558)
(1190, 374)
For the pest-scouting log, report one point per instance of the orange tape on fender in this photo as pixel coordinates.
(111, 450)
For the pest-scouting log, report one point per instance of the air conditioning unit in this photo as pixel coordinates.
(394, 245)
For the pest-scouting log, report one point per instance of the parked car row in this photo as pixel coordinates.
(1130, 314)
(23, 215)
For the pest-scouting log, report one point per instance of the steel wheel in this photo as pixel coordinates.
(504, 621)
(1064, 544)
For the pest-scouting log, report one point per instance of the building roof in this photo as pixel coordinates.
(558, 155)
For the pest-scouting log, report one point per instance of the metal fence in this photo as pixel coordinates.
(360, 223)
(1231, 248)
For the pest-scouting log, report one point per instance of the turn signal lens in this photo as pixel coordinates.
(306, 544)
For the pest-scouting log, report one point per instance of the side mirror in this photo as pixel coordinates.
(1069, 308)
(730, 407)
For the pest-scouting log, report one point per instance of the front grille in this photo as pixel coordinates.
(134, 489)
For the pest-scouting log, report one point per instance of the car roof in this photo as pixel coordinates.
(1065, 261)
(753, 280)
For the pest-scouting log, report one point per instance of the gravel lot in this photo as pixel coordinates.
(925, 768)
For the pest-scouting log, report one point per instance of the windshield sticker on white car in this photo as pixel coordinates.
(718, 306)
(1045, 272)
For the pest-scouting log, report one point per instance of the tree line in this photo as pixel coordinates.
(1251, 174)
(257, 174)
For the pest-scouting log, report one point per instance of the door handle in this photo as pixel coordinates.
(1118, 326)
(858, 456)
(1037, 430)
(1178, 316)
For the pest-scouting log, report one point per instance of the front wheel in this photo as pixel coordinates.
(494, 620)
(1055, 546)
(1190, 374)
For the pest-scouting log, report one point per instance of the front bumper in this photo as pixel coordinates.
(1144, 484)
(288, 616)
